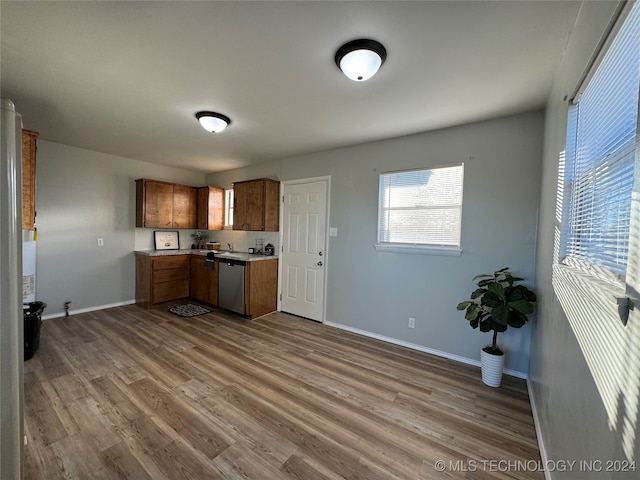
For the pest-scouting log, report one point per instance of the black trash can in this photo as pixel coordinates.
(32, 312)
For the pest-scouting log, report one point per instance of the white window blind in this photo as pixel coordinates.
(228, 207)
(421, 207)
(600, 156)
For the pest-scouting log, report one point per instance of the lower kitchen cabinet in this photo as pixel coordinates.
(203, 284)
(161, 279)
(261, 287)
(165, 278)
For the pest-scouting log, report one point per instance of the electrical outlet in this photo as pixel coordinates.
(101, 242)
(412, 322)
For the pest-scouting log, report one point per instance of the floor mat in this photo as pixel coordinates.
(188, 310)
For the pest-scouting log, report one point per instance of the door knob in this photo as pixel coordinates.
(319, 264)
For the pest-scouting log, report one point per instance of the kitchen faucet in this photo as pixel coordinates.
(230, 247)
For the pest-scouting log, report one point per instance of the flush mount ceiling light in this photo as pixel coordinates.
(360, 59)
(213, 122)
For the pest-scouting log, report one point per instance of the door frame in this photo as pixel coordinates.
(327, 179)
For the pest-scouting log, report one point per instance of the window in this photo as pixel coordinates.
(420, 209)
(600, 158)
(228, 208)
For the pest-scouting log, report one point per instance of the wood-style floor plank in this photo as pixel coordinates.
(131, 393)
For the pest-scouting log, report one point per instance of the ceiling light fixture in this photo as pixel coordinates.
(360, 59)
(213, 122)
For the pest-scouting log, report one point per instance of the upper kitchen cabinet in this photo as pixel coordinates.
(29, 179)
(256, 206)
(185, 206)
(210, 208)
(165, 205)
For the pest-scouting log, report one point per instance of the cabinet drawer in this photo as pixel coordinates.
(170, 274)
(164, 292)
(171, 261)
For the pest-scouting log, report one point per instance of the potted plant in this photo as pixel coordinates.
(498, 303)
(199, 239)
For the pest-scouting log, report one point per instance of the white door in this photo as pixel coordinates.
(304, 248)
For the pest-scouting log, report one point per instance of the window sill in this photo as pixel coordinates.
(418, 249)
(585, 291)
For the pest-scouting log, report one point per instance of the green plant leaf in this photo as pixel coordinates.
(472, 312)
(522, 306)
(500, 314)
(486, 327)
(491, 300)
(513, 293)
(499, 328)
(463, 305)
(474, 323)
(497, 289)
(483, 275)
(517, 319)
(478, 292)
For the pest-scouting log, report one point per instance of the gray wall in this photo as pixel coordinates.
(377, 292)
(82, 195)
(584, 364)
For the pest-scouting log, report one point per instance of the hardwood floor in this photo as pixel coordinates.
(144, 394)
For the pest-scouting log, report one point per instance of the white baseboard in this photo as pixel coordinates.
(88, 309)
(536, 423)
(420, 348)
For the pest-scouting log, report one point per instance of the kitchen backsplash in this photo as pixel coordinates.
(240, 240)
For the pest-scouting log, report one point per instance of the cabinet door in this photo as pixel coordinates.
(28, 179)
(211, 285)
(271, 205)
(196, 284)
(185, 206)
(240, 200)
(255, 205)
(261, 287)
(158, 204)
(210, 208)
(248, 212)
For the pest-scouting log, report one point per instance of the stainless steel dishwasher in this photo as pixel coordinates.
(231, 284)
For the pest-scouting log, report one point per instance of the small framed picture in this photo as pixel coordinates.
(166, 240)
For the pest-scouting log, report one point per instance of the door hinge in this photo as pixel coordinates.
(280, 297)
(282, 198)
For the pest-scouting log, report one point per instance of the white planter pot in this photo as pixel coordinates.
(492, 366)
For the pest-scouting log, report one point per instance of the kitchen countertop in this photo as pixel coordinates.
(244, 256)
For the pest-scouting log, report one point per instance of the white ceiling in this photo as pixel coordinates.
(126, 78)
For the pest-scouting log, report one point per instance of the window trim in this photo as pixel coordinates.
(419, 248)
(228, 208)
(569, 240)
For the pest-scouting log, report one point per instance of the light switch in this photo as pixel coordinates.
(333, 232)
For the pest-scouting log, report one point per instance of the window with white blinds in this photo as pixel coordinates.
(421, 207)
(600, 153)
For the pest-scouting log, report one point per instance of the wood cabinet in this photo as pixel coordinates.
(167, 278)
(185, 206)
(256, 206)
(203, 284)
(165, 205)
(29, 179)
(210, 208)
(261, 287)
(161, 279)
